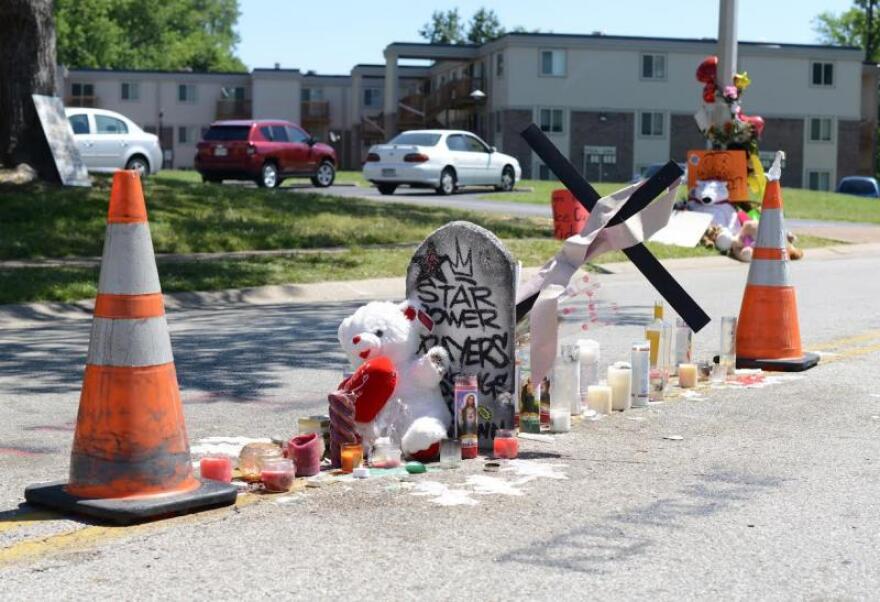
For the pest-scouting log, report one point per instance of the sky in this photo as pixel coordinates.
(331, 36)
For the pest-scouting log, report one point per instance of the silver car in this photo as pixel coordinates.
(109, 141)
(440, 159)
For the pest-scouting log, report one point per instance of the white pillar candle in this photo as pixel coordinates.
(599, 398)
(620, 381)
(687, 375)
(560, 420)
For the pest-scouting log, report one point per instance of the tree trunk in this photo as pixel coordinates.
(27, 66)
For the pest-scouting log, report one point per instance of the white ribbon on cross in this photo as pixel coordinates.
(552, 279)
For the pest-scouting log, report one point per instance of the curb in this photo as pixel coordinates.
(14, 316)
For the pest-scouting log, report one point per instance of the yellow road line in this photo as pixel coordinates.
(836, 343)
(28, 517)
(850, 353)
(85, 537)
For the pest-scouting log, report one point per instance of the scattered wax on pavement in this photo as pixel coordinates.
(361, 472)
(415, 467)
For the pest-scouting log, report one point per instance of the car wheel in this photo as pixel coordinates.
(325, 175)
(268, 176)
(508, 179)
(386, 188)
(447, 182)
(139, 164)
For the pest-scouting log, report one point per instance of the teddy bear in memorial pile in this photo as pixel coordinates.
(396, 390)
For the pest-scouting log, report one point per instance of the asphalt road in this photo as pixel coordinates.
(770, 493)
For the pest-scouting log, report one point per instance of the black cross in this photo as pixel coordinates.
(639, 254)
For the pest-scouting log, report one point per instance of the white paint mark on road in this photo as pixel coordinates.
(443, 495)
(530, 469)
(486, 485)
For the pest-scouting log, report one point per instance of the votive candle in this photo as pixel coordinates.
(351, 455)
(560, 420)
(505, 444)
(216, 468)
(687, 375)
(599, 398)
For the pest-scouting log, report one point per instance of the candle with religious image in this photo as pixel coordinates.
(466, 396)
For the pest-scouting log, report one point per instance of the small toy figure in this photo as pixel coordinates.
(381, 337)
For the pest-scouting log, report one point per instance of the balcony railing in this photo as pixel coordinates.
(314, 113)
(234, 108)
(81, 101)
(453, 95)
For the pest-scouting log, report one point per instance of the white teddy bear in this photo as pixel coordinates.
(382, 328)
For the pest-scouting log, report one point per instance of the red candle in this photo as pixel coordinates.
(277, 475)
(505, 445)
(216, 468)
(306, 452)
(469, 453)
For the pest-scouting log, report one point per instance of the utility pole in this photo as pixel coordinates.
(727, 11)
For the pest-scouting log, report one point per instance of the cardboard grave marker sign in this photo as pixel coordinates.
(729, 166)
(465, 280)
(59, 135)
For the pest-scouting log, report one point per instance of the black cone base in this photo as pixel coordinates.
(798, 364)
(211, 494)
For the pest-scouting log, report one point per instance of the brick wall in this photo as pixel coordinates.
(786, 135)
(686, 136)
(616, 129)
(513, 121)
(848, 147)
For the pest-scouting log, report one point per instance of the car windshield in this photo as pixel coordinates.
(860, 187)
(416, 139)
(226, 133)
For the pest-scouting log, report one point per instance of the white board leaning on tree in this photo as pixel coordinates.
(59, 134)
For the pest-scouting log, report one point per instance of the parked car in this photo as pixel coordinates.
(859, 186)
(267, 151)
(439, 159)
(108, 141)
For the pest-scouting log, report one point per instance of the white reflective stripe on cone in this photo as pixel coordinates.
(128, 266)
(141, 342)
(771, 234)
(769, 272)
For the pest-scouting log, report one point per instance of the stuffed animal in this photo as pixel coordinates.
(383, 336)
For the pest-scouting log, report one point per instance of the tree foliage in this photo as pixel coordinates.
(447, 27)
(851, 28)
(148, 34)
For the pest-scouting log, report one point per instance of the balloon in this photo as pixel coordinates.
(707, 72)
(709, 93)
(756, 121)
(741, 81)
(730, 92)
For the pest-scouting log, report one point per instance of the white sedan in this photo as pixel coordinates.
(109, 141)
(439, 159)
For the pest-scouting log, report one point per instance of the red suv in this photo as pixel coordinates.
(263, 150)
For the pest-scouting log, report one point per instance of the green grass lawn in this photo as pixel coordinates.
(187, 216)
(799, 203)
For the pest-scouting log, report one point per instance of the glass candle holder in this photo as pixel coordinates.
(620, 381)
(352, 454)
(505, 445)
(450, 453)
(727, 355)
(252, 457)
(589, 361)
(599, 398)
(278, 474)
(641, 373)
(684, 345)
(385, 454)
(466, 397)
(566, 388)
(687, 376)
(216, 468)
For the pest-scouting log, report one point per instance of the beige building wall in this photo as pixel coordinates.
(277, 94)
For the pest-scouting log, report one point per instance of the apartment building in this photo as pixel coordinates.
(612, 104)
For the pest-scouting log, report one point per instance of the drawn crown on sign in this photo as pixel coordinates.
(461, 265)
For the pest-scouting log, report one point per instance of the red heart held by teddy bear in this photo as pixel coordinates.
(372, 385)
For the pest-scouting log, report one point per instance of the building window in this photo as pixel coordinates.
(499, 65)
(232, 92)
(767, 158)
(553, 63)
(130, 91)
(550, 120)
(820, 129)
(651, 124)
(818, 179)
(653, 66)
(82, 95)
(372, 97)
(822, 74)
(186, 93)
(544, 172)
(312, 94)
(187, 135)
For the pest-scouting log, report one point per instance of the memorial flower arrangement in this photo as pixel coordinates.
(723, 123)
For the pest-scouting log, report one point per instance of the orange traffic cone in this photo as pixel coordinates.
(130, 458)
(768, 334)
